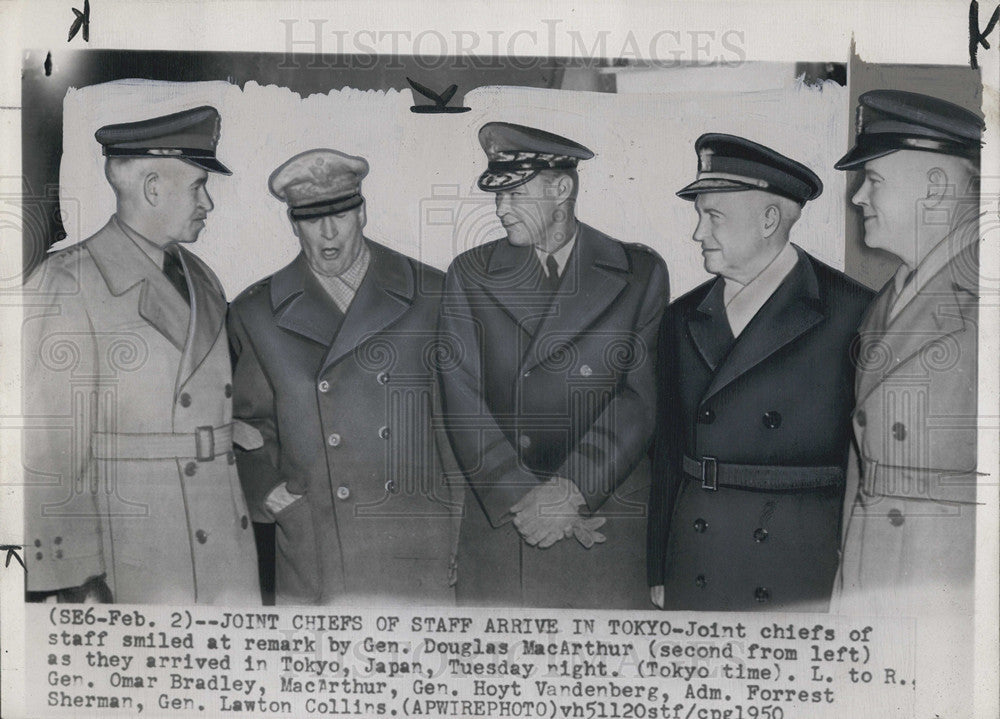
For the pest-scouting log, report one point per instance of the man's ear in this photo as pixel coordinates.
(770, 220)
(362, 216)
(151, 188)
(939, 186)
(295, 225)
(564, 188)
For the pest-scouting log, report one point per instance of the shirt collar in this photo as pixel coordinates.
(768, 279)
(153, 251)
(561, 255)
(344, 286)
(934, 261)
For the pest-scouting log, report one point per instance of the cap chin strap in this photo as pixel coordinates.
(178, 152)
(756, 182)
(326, 207)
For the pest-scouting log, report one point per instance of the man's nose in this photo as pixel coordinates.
(206, 200)
(328, 227)
(701, 232)
(860, 197)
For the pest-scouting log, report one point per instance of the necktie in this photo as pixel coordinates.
(174, 271)
(551, 280)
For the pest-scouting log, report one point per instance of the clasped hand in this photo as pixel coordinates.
(551, 511)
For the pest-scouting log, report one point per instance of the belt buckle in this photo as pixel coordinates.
(710, 473)
(204, 442)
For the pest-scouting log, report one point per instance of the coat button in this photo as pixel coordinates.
(700, 525)
(585, 370)
(190, 468)
(38, 555)
(382, 378)
(706, 416)
(390, 486)
(57, 540)
(185, 400)
(383, 432)
(201, 535)
(333, 440)
(896, 518)
(860, 417)
(524, 440)
(343, 492)
(38, 542)
(58, 554)
(228, 390)
(231, 457)
(759, 534)
(761, 594)
(700, 581)
(899, 431)
(772, 419)
(244, 522)
(324, 386)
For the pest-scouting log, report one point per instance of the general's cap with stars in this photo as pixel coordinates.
(319, 182)
(517, 153)
(189, 135)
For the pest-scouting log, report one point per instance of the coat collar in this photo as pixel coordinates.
(192, 329)
(301, 305)
(793, 309)
(945, 305)
(594, 276)
(708, 326)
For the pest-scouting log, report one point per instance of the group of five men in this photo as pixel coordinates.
(536, 427)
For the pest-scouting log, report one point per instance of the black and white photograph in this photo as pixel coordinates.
(564, 362)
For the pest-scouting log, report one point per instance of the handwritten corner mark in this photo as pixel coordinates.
(13, 552)
(977, 38)
(81, 21)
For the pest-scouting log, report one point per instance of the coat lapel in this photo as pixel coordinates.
(945, 305)
(793, 309)
(870, 333)
(123, 265)
(592, 280)
(512, 277)
(709, 328)
(301, 305)
(208, 314)
(386, 292)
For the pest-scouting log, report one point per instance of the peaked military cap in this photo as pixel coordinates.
(517, 153)
(189, 135)
(319, 182)
(891, 120)
(727, 163)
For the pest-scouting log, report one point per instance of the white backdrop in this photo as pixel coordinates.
(421, 194)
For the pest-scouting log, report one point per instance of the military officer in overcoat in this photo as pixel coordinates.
(755, 392)
(131, 492)
(549, 402)
(910, 505)
(333, 365)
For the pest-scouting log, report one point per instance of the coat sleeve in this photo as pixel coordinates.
(619, 438)
(253, 403)
(490, 463)
(60, 388)
(666, 452)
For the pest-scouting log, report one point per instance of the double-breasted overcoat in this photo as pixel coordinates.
(543, 385)
(751, 444)
(129, 468)
(344, 404)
